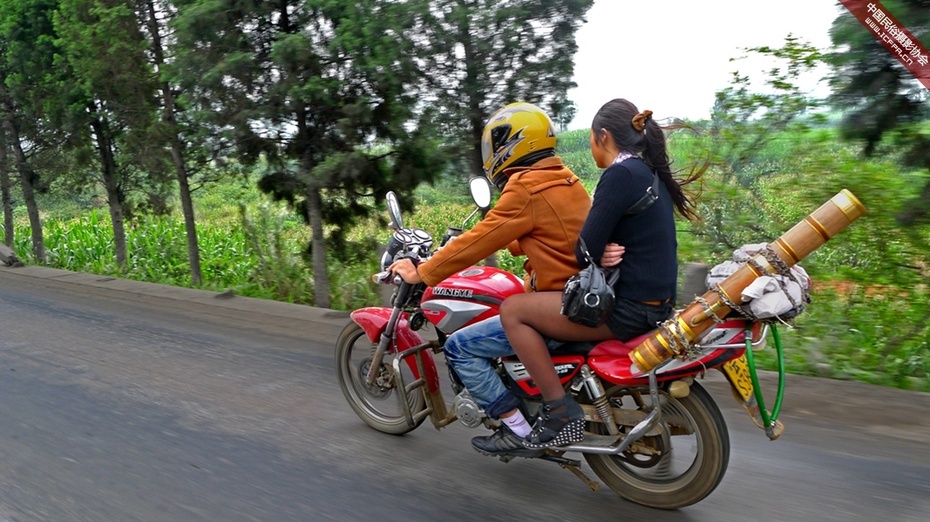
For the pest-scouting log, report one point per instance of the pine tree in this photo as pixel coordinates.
(886, 107)
(480, 55)
(323, 90)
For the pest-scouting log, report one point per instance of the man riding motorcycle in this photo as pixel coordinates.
(539, 214)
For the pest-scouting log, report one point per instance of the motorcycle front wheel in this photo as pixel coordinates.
(379, 404)
(678, 465)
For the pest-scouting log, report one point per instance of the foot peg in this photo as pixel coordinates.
(571, 465)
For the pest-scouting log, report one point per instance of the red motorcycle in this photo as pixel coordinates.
(655, 438)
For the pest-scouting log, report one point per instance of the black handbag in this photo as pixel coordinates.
(588, 297)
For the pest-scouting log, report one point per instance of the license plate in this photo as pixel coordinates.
(737, 372)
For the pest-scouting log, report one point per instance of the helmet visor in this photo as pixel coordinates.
(487, 152)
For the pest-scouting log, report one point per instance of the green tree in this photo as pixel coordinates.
(6, 191)
(748, 119)
(886, 112)
(156, 15)
(26, 52)
(886, 108)
(480, 55)
(325, 90)
(563, 112)
(107, 87)
(29, 180)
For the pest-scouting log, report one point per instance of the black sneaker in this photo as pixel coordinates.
(504, 442)
(559, 423)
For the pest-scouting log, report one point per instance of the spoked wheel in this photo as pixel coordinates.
(676, 465)
(378, 404)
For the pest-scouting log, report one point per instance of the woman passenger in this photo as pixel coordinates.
(631, 146)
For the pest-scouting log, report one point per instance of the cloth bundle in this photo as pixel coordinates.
(781, 296)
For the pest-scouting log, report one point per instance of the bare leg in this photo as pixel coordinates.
(526, 319)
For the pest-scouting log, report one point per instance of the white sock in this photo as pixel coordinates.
(517, 424)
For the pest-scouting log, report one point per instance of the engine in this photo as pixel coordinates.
(467, 410)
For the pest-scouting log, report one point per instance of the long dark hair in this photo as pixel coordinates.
(616, 117)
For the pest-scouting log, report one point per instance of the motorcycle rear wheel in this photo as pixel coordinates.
(678, 476)
(378, 405)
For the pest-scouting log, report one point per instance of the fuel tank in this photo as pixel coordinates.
(470, 296)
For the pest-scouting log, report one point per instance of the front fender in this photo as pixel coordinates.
(373, 321)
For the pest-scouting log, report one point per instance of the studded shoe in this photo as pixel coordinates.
(504, 442)
(560, 422)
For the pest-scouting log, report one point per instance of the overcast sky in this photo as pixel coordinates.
(670, 56)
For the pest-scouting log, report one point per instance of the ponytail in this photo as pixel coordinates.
(638, 132)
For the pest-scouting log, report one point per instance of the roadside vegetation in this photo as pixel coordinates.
(871, 302)
(221, 146)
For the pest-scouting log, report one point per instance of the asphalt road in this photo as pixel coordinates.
(126, 401)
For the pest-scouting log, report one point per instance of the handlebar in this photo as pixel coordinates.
(403, 291)
(384, 278)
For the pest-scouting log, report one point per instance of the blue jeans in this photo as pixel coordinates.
(471, 352)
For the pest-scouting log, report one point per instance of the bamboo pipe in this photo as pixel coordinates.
(805, 237)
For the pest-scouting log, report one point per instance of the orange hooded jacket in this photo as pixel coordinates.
(539, 214)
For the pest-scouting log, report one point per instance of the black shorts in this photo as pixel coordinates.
(630, 318)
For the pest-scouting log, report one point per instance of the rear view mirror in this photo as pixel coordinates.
(394, 211)
(480, 192)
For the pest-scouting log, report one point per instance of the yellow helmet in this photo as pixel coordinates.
(519, 134)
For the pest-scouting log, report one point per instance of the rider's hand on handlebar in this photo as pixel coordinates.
(613, 254)
(405, 269)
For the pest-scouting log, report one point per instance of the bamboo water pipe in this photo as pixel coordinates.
(793, 246)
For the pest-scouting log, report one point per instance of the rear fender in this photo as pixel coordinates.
(374, 320)
(610, 360)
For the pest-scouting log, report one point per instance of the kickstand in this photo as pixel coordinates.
(573, 466)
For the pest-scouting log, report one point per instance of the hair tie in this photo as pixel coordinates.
(639, 121)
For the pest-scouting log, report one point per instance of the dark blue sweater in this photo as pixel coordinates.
(649, 270)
